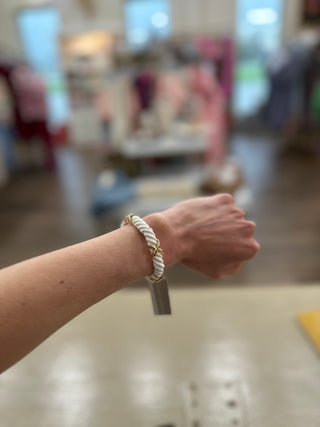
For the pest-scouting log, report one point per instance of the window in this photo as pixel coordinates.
(39, 30)
(258, 29)
(147, 20)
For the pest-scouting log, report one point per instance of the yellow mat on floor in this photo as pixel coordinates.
(310, 322)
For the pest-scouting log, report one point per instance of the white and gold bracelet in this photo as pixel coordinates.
(158, 284)
(153, 243)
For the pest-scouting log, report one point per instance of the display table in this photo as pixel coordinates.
(226, 357)
(167, 146)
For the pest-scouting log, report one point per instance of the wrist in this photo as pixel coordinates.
(168, 235)
(136, 252)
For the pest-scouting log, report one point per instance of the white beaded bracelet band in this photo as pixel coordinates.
(152, 242)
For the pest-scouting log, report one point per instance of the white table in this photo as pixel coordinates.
(166, 146)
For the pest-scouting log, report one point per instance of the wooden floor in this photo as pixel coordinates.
(42, 211)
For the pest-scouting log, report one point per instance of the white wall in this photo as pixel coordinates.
(9, 35)
(108, 15)
(292, 19)
(189, 16)
(215, 16)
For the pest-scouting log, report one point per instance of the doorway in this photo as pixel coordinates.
(258, 35)
(41, 48)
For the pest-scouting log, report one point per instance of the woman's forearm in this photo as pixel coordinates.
(40, 295)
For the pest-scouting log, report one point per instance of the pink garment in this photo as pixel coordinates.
(172, 88)
(30, 94)
(212, 110)
(222, 53)
(103, 105)
(199, 84)
(228, 70)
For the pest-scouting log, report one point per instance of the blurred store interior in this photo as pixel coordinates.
(122, 105)
(117, 106)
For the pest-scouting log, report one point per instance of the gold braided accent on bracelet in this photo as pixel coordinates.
(155, 279)
(128, 218)
(156, 249)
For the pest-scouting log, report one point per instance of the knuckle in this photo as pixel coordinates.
(251, 226)
(226, 198)
(239, 212)
(214, 274)
(253, 249)
(233, 270)
(238, 268)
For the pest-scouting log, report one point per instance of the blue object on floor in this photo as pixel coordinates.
(112, 192)
(7, 146)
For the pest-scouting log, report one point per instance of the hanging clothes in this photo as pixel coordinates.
(6, 126)
(212, 111)
(172, 95)
(29, 106)
(30, 94)
(221, 54)
(145, 86)
(312, 81)
(6, 108)
(289, 97)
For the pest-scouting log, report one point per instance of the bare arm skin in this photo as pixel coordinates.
(40, 295)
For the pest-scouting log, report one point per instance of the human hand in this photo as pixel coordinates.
(207, 234)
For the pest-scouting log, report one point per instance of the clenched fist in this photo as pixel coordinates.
(207, 234)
